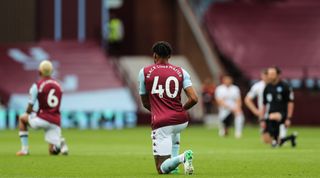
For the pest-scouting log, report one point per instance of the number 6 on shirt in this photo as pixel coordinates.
(52, 100)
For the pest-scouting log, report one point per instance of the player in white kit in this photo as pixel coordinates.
(228, 98)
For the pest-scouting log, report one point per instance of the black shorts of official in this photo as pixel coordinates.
(272, 127)
(227, 122)
(284, 117)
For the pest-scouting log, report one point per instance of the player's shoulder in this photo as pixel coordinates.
(268, 87)
(220, 87)
(259, 83)
(50, 81)
(284, 84)
(147, 67)
(235, 87)
(144, 69)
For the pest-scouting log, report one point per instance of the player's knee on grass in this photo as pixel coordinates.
(159, 160)
(266, 138)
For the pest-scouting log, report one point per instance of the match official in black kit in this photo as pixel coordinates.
(278, 100)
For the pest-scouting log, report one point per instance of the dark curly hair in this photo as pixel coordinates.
(162, 48)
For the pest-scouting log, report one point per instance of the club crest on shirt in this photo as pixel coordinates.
(269, 97)
(279, 97)
(279, 89)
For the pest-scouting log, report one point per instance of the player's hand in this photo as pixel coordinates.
(25, 115)
(287, 123)
(236, 110)
(275, 116)
(259, 114)
(263, 124)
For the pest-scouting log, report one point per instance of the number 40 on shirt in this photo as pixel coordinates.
(158, 89)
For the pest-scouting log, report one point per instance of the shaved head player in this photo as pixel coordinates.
(160, 87)
(48, 93)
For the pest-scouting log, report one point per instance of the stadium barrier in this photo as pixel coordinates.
(78, 119)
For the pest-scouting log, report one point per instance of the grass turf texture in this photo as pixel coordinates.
(127, 153)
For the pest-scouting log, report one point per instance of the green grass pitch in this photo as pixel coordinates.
(127, 153)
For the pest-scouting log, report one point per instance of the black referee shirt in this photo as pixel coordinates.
(276, 97)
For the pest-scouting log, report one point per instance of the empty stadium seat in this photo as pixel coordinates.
(256, 35)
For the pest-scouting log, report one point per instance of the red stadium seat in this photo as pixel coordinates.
(255, 35)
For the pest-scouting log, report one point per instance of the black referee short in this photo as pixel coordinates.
(273, 127)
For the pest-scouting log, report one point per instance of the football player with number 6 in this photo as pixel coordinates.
(160, 87)
(48, 93)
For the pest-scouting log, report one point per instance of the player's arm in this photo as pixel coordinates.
(290, 109)
(221, 103)
(145, 102)
(29, 108)
(219, 99)
(33, 93)
(192, 98)
(290, 106)
(264, 109)
(142, 91)
(189, 91)
(250, 103)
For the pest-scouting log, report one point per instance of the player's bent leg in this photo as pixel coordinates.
(188, 166)
(222, 129)
(291, 138)
(54, 150)
(225, 123)
(266, 138)
(170, 164)
(273, 130)
(163, 141)
(159, 160)
(23, 134)
(239, 121)
(283, 131)
(53, 137)
(23, 122)
(161, 145)
(175, 149)
(64, 147)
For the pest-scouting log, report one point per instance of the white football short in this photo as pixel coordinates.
(52, 131)
(162, 138)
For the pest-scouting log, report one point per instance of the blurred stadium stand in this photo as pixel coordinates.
(69, 34)
(89, 79)
(255, 35)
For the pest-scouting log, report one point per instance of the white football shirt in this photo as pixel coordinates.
(229, 95)
(256, 91)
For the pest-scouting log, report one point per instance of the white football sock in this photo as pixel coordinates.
(283, 131)
(24, 140)
(175, 145)
(239, 120)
